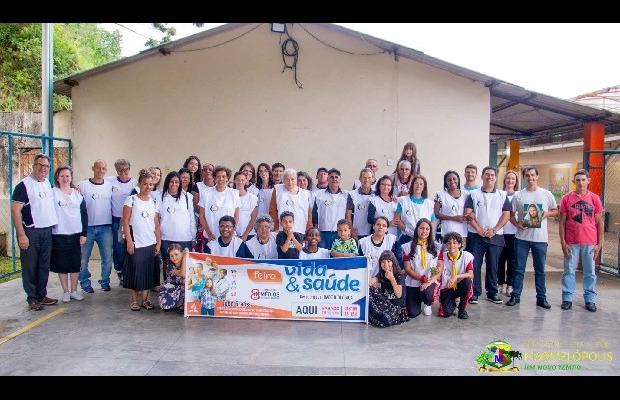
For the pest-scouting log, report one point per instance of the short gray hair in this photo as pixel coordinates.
(121, 162)
(289, 171)
(264, 218)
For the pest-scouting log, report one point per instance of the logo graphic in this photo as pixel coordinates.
(498, 358)
(582, 208)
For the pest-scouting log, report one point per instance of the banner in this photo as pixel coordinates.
(331, 289)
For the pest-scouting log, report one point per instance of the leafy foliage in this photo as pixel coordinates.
(77, 47)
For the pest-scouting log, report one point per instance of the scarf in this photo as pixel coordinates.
(422, 244)
(454, 266)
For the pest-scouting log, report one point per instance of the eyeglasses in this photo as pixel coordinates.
(123, 169)
(247, 171)
(42, 165)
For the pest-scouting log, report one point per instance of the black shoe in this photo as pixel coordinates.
(463, 314)
(495, 299)
(513, 300)
(543, 303)
(473, 300)
(567, 305)
(591, 307)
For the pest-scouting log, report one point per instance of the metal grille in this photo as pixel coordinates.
(17, 151)
(610, 171)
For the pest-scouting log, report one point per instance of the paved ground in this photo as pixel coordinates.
(101, 336)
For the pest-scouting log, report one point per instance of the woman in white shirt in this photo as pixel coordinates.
(176, 216)
(248, 208)
(69, 234)
(143, 240)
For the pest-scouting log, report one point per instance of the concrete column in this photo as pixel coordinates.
(594, 139)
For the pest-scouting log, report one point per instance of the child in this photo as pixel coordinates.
(457, 277)
(172, 292)
(207, 298)
(312, 250)
(345, 245)
(387, 294)
(288, 242)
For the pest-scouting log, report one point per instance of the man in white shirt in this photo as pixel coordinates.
(97, 192)
(32, 209)
(534, 205)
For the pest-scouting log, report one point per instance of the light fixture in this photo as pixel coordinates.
(278, 27)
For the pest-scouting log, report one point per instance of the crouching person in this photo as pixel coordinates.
(457, 277)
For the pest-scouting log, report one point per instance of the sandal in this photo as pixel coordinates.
(135, 306)
(147, 305)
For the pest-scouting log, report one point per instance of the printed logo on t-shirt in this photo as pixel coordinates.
(582, 207)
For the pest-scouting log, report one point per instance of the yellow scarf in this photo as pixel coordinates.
(454, 266)
(422, 244)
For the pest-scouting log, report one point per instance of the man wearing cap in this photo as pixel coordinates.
(33, 213)
(330, 206)
(321, 179)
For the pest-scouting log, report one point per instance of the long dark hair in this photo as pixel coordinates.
(378, 186)
(169, 177)
(388, 255)
(259, 180)
(430, 243)
(194, 177)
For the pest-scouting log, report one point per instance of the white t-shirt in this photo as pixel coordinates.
(247, 204)
(98, 198)
(68, 212)
(176, 218)
(142, 221)
(268, 250)
(320, 253)
(524, 202)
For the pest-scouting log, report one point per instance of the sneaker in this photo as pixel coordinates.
(508, 290)
(500, 288)
(35, 306)
(88, 289)
(513, 300)
(495, 299)
(427, 310)
(567, 305)
(105, 287)
(46, 301)
(591, 306)
(76, 295)
(473, 300)
(66, 297)
(463, 314)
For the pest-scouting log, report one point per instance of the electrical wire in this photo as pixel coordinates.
(345, 51)
(216, 45)
(290, 48)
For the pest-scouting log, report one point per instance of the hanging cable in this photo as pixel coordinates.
(290, 49)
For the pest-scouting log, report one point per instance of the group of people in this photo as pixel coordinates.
(277, 212)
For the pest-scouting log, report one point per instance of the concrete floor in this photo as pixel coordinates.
(101, 336)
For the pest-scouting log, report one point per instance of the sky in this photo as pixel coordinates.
(560, 60)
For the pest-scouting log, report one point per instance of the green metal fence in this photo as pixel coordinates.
(17, 151)
(609, 168)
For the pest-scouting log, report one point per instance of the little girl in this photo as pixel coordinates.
(312, 250)
(345, 245)
(172, 292)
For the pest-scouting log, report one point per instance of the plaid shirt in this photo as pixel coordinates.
(206, 299)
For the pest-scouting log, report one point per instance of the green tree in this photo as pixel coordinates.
(77, 47)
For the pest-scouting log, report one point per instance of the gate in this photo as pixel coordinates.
(17, 151)
(608, 166)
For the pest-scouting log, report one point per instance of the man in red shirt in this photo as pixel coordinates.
(581, 237)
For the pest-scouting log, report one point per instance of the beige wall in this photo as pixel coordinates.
(232, 103)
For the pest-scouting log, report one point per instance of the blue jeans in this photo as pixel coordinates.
(583, 252)
(481, 248)
(102, 235)
(118, 249)
(539, 256)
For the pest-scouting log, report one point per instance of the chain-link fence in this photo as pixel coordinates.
(17, 151)
(609, 167)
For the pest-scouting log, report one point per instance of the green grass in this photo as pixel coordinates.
(6, 267)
